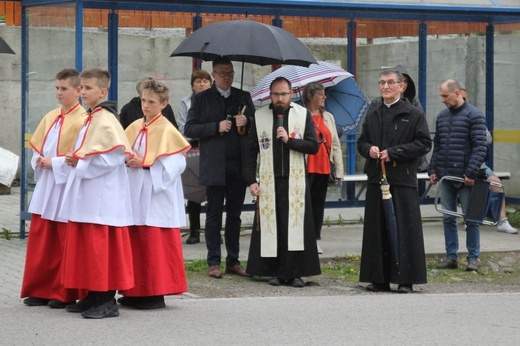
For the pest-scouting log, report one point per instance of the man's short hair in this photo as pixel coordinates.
(221, 60)
(157, 88)
(278, 79)
(140, 83)
(69, 73)
(102, 76)
(393, 71)
(453, 85)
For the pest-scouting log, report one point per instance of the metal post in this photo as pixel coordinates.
(351, 137)
(79, 35)
(423, 33)
(490, 86)
(113, 27)
(196, 24)
(23, 173)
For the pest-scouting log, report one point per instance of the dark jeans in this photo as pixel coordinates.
(234, 194)
(318, 184)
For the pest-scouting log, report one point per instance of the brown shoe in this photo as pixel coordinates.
(237, 270)
(214, 272)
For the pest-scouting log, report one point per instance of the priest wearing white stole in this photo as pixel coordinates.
(283, 244)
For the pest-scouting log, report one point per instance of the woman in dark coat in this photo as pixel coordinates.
(398, 133)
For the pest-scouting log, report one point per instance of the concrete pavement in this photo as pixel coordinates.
(418, 319)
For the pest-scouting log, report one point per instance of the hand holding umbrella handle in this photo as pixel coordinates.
(241, 129)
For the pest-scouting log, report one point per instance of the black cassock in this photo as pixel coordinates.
(288, 264)
(403, 131)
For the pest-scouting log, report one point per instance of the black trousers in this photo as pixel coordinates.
(233, 194)
(318, 184)
(194, 215)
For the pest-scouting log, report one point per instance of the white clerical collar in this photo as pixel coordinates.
(390, 104)
(224, 93)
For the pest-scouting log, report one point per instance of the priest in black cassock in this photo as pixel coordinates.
(396, 133)
(283, 244)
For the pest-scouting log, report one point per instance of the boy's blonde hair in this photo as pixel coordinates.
(102, 76)
(157, 88)
(69, 73)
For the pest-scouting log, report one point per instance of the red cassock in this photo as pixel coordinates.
(158, 262)
(42, 274)
(97, 257)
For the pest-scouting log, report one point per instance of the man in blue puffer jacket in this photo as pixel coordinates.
(459, 150)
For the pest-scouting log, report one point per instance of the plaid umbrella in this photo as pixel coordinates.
(323, 72)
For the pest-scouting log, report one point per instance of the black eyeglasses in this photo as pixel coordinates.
(280, 94)
(225, 74)
(390, 83)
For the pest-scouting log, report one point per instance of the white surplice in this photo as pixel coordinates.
(156, 193)
(50, 183)
(98, 190)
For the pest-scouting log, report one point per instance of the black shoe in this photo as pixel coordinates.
(82, 305)
(153, 302)
(194, 237)
(274, 281)
(58, 304)
(297, 282)
(108, 309)
(378, 287)
(405, 289)
(449, 263)
(34, 301)
(128, 301)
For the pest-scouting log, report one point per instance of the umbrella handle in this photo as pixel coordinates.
(383, 169)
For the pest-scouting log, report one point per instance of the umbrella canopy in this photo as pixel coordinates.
(323, 72)
(347, 103)
(190, 178)
(4, 47)
(247, 41)
(391, 223)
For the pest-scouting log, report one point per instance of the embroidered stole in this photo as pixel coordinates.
(267, 203)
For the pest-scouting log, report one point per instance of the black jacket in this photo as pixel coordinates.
(219, 154)
(133, 111)
(403, 131)
(460, 145)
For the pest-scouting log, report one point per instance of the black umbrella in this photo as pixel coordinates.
(246, 41)
(391, 223)
(190, 178)
(4, 47)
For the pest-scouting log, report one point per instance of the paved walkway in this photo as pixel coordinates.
(337, 240)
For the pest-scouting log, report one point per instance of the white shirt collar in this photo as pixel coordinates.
(390, 104)
(224, 93)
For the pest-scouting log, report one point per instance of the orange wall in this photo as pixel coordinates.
(299, 26)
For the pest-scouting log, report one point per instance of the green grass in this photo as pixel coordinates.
(197, 266)
(347, 268)
(514, 218)
(6, 233)
(343, 267)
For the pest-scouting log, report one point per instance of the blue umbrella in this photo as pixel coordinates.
(347, 103)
